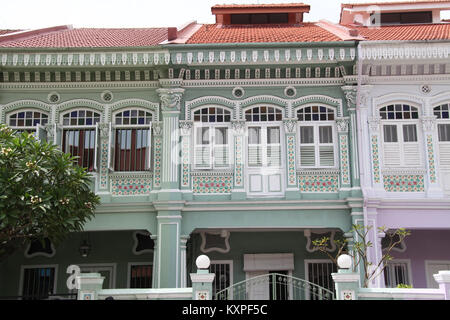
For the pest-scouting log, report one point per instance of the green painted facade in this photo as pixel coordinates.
(173, 201)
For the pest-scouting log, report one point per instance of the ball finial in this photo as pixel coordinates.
(203, 262)
(344, 261)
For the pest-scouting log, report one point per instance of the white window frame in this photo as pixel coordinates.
(400, 123)
(316, 124)
(22, 275)
(212, 126)
(112, 137)
(38, 128)
(264, 145)
(390, 265)
(429, 277)
(442, 144)
(95, 127)
(131, 264)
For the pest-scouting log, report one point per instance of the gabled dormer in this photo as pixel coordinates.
(260, 14)
(393, 13)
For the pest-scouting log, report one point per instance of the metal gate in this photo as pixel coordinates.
(274, 286)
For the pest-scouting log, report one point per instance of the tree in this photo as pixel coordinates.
(359, 251)
(43, 193)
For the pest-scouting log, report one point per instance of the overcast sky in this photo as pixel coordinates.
(31, 14)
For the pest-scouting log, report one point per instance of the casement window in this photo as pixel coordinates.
(443, 126)
(29, 121)
(80, 136)
(212, 138)
(130, 141)
(38, 282)
(401, 135)
(317, 137)
(396, 273)
(141, 276)
(264, 144)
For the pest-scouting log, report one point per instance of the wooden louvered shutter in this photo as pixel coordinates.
(273, 147)
(221, 147)
(444, 145)
(326, 147)
(307, 147)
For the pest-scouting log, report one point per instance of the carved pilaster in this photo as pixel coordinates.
(374, 124)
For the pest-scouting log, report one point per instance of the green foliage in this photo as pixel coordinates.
(43, 193)
(359, 246)
(404, 286)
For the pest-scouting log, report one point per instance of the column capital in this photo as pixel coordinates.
(289, 125)
(342, 124)
(428, 123)
(170, 98)
(374, 124)
(186, 126)
(238, 127)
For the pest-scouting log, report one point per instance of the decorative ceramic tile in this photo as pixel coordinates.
(291, 160)
(126, 186)
(238, 162)
(431, 164)
(212, 184)
(345, 175)
(376, 160)
(104, 165)
(318, 183)
(157, 164)
(404, 183)
(185, 161)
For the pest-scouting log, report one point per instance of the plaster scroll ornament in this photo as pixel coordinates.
(124, 58)
(92, 59)
(428, 123)
(222, 56)
(266, 55)
(331, 54)
(170, 100)
(255, 55)
(185, 127)
(238, 127)
(48, 59)
(104, 130)
(211, 56)
(4, 59)
(320, 54)
(342, 124)
(103, 59)
(374, 123)
(277, 55)
(157, 128)
(135, 58)
(145, 58)
(37, 59)
(26, 59)
(167, 58)
(243, 56)
(287, 55)
(298, 54)
(233, 56)
(189, 57)
(15, 59)
(290, 124)
(350, 96)
(309, 54)
(200, 57)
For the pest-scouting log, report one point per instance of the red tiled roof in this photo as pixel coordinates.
(92, 37)
(307, 32)
(272, 5)
(2, 32)
(406, 32)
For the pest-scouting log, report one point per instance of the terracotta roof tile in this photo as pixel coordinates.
(3, 32)
(307, 32)
(406, 32)
(92, 37)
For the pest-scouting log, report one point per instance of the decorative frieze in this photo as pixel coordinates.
(318, 182)
(431, 163)
(104, 163)
(157, 160)
(212, 184)
(404, 183)
(239, 162)
(344, 157)
(126, 185)
(291, 159)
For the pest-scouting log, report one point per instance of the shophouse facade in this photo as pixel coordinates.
(238, 140)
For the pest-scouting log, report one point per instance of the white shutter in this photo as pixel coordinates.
(307, 156)
(391, 154)
(411, 154)
(202, 156)
(221, 155)
(255, 155)
(444, 154)
(148, 163)
(111, 149)
(96, 146)
(274, 155)
(326, 155)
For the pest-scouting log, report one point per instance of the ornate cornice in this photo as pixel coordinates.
(406, 51)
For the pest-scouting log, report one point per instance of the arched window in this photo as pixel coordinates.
(212, 138)
(264, 147)
(317, 137)
(442, 114)
(131, 140)
(29, 121)
(80, 135)
(400, 136)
